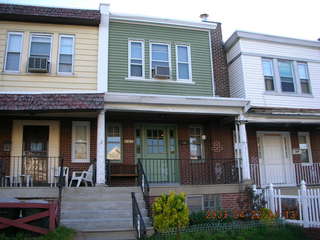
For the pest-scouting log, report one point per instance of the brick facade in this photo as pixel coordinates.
(220, 66)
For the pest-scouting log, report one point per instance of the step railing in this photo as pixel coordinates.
(144, 185)
(137, 219)
(61, 183)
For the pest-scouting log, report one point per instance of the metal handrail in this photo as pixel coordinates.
(61, 183)
(137, 218)
(144, 185)
(108, 172)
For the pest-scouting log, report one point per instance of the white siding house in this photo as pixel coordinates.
(294, 65)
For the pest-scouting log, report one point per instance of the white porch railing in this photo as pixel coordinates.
(285, 174)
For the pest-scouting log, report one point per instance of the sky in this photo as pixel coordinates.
(288, 18)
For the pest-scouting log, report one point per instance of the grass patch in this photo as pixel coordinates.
(61, 233)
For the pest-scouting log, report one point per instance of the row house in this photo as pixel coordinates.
(280, 77)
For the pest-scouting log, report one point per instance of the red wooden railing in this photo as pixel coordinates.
(50, 211)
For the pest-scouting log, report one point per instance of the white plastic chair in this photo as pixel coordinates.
(86, 176)
(65, 174)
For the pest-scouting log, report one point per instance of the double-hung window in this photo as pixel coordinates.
(304, 77)
(66, 54)
(268, 73)
(160, 60)
(305, 148)
(196, 145)
(114, 143)
(80, 141)
(183, 63)
(41, 46)
(286, 76)
(136, 59)
(14, 48)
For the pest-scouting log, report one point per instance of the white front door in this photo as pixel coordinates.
(275, 164)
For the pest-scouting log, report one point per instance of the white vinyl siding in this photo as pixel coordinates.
(81, 141)
(66, 54)
(183, 65)
(14, 49)
(136, 59)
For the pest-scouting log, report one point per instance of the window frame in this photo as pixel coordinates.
(74, 125)
(273, 74)
(189, 63)
(59, 52)
(307, 135)
(51, 43)
(308, 74)
(7, 48)
(121, 141)
(129, 58)
(169, 59)
(202, 145)
(291, 62)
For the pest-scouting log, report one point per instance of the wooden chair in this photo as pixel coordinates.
(86, 176)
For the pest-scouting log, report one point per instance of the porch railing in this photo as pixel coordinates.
(285, 174)
(137, 219)
(18, 171)
(190, 171)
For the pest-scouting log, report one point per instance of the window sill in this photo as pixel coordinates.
(72, 75)
(157, 81)
(288, 94)
(80, 161)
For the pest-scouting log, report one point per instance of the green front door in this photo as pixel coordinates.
(159, 153)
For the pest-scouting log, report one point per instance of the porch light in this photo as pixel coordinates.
(204, 137)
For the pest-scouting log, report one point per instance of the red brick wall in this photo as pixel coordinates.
(5, 137)
(315, 145)
(220, 66)
(235, 201)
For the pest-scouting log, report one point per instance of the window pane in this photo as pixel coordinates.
(41, 39)
(161, 64)
(136, 70)
(160, 47)
(13, 61)
(81, 133)
(285, 69)
(139, 62)
(65, 59)
(40, 49)
(66, 45)
(136, 50)
(305, 86)
(114, 151)
(269, 83)
(182, 54)
(81, 151)
(14, 43)
(303, 71)
(160, 52)
(287, 86)
(267, 67)
(183, 71)
(65, 68)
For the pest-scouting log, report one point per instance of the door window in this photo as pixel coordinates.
(155, 141)
(304, 145)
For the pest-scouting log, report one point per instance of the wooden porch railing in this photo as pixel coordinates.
(50, 210)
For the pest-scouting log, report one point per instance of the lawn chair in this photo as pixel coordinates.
(86, 176)
(65, 174)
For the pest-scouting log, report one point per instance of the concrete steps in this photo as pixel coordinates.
(101, 212)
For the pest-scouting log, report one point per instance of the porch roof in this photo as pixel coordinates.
(45, 102)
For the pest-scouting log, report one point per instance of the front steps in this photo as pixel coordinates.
(98, 213)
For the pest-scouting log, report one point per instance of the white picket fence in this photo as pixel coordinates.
(308, 204)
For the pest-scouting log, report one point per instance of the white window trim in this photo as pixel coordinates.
(294, 78)
(59, 49)
(7, 48)
(115, 124)
(309, 79)
(307, 135)
(189, 63)
(129, 59)
(80, 123)
(202, 145)
(169, 58)
(41, 35)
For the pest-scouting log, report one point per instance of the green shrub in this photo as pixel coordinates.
(170, 211)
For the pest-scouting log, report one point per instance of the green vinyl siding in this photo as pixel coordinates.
(198, 40)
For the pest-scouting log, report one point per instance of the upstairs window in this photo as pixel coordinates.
(66, 52)
(136, 59)
(304, 77)
(183, 63)
(286, 76)
(40, 46)
(268, 73)
(14, 47)
(160, 65)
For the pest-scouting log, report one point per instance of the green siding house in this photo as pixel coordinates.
(138, 51)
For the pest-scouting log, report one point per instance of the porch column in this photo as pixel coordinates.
(100, 167)
(244, 149)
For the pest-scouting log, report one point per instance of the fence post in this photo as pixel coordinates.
(304, 202)
(271, 198)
